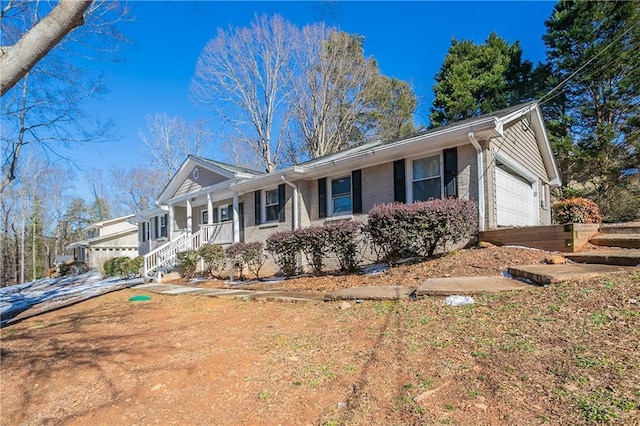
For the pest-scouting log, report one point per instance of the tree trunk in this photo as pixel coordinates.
(17, 60)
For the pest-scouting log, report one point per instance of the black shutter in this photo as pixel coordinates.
(258, 209)
(451, 172)
(322, 198)
(214, 216)
(399, 185)
(281, 203)
(356, 188)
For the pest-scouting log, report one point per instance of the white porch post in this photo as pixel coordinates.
(189, 219)
(170, 223)
(236, 218)
(209, 209)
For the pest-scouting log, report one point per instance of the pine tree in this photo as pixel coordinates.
(593, 61)
(477, 79)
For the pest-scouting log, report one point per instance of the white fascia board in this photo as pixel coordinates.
(518, 113)
(183, 173)
(148, 214)
(108, 222)
(433, 141)
(77, 244)
(542, 138)
(268, 180)
(221, 190)
(124, 233)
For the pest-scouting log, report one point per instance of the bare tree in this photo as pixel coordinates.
(45, 108)
(169, 139)
(17, 60)
(137, 187)
(242, 76)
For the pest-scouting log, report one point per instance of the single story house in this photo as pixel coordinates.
(502, 160)
(105, 240)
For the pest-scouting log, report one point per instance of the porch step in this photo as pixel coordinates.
(631, 241)
(624, 257)
(622, 228)
(549, 274)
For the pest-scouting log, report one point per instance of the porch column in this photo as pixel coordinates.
(170, 223)
(209, 209)
(236, 218)
(189, 218)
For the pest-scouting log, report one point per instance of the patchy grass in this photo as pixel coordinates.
(565, 354)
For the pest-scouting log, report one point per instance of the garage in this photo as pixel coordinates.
(515, 199)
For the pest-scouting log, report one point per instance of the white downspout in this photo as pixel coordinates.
(295, 202)
(480, 166)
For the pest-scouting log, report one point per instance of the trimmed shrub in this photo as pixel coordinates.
(123, 267)
(284, 247)
(313, 243)
(213, 256)
(420, 229)
(246, 255)
(342, 239)
(188, 260)
(576, 210)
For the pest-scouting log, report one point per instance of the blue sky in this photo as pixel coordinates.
(408, 39)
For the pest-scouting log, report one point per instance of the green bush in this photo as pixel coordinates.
(123, 267)
(188, 260)
(576, 210)
(420, 229)
(246, 255)
(214, 258)
(284, 247)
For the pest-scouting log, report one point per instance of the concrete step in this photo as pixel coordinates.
(550, 274)
(624, 257)
(619, 229)
(617, 240)
(468, 285)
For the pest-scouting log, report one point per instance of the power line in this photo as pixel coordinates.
(542, 99)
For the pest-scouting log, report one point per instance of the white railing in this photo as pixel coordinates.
(165, 257)
(217, 233)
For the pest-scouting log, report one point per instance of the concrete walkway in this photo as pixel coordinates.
(534, 275)
(172, 289)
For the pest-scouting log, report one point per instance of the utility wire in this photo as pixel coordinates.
(542, 99)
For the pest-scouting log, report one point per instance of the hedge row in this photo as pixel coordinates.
(420, 229)
(316, 243)
(394, 230)
(241, 256)
(123, 267)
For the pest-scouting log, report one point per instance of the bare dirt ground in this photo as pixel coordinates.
(565, 354)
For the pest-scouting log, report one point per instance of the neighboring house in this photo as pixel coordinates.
(105, 240)
(502, 160)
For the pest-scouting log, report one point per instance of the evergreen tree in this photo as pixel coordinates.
(593, 58)
(477, 79)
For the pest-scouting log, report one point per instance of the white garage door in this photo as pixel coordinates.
(515, 199)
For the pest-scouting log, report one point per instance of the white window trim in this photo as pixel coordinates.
(263, 207)
(229, 210)
(408, 168)
(330, 212)
(202, 213)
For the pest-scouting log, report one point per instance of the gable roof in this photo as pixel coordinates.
(108, 222)
(227, 170)
(450, 135)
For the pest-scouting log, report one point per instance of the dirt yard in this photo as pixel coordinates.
(566, 354)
